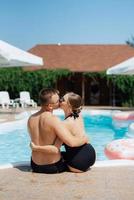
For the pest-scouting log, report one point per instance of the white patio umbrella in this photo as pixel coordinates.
(11, 56)
(126, 67)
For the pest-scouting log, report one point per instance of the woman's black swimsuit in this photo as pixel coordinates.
(82, 157)
(57, 167)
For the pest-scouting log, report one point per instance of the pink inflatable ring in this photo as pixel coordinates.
(120, 149)
(123, 116)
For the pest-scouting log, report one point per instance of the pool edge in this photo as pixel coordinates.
(109, 163)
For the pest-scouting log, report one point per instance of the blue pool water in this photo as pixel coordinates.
(14, 144)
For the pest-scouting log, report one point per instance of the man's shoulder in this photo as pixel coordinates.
(34, 115)
(48, 117)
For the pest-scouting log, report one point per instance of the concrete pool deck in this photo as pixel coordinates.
(99, 183)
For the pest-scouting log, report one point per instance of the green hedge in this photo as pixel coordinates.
(15, 80)
(123, 83)
(126, 84)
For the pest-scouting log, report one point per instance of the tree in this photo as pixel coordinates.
(130, 42)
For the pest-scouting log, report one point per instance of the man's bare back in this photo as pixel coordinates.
(42, 133)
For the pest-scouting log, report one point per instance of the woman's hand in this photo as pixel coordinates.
(32, 146)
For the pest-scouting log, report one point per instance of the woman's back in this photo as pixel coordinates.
(82, 157)
(75, 126)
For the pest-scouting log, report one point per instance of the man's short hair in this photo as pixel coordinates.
(46, 94)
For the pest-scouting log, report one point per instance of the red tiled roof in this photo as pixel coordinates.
(82, 58)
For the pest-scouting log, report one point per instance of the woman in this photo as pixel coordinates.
(78, 159)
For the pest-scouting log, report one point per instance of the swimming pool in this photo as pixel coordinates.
(100, 128)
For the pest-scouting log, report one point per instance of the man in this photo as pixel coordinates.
(44, 129)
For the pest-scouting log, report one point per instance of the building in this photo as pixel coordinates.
(79, 58)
